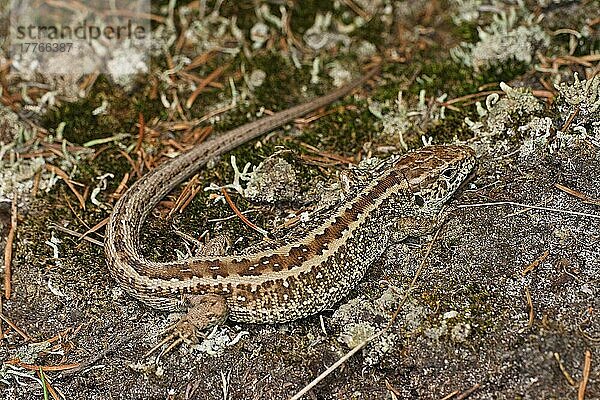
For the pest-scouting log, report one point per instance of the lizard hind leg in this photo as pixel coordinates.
(203, 311)
(206, 310)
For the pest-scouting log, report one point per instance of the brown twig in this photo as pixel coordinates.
(564, 371)
(117, 193)
(450, 395)
(535, 263)
(326, 155)
(240, 215)
(134, 166)
(322, 114)
(583, 197)
(587, 364)
(9, 248)
(188, 194)
(200, 60)
(469, 392)
(77, 235)
(21, 332)
(211, 77)
(530, 305)
(36, 183)
(470, 96)
(571, 118)
(95, 228)
(63, 175)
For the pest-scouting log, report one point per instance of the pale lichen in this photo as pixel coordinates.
(504, 40)
(579, 102)
(273, 180)
(503, 116)
(402, 119)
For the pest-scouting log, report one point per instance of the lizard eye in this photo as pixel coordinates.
(419, 200)
(449, 173)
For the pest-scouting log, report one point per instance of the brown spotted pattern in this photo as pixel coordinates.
(294, 278)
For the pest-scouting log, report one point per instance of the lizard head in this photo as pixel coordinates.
(434, 173)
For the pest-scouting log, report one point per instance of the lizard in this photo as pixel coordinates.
(302, 273)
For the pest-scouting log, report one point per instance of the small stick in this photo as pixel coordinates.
(241, 216)
(450, 395)
(77, 235)
(121, 186)
(571, 118)
(63, 175)
(134, 166)
(468, 392)
(530, 305)
(23, 334)
(579, 195)
(535, 263)
(9, 247)
(587, 364)
(95, 228)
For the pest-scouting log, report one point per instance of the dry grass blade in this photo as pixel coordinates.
(95, 228)
(23, 334)
(117, 193)
(134, 166)
(512, 203)
(189, 192)
(570, 120)
(77, 235)
(469, 392)
(450, 395)
(564, 371)
(530, 306)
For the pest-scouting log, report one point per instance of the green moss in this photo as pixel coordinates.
(373, 31)
(244, 11)
(120, 117)
(303, 14)
(478, 312)
(467, 32)
(453, 125)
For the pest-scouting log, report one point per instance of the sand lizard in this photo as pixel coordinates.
(303, 273)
